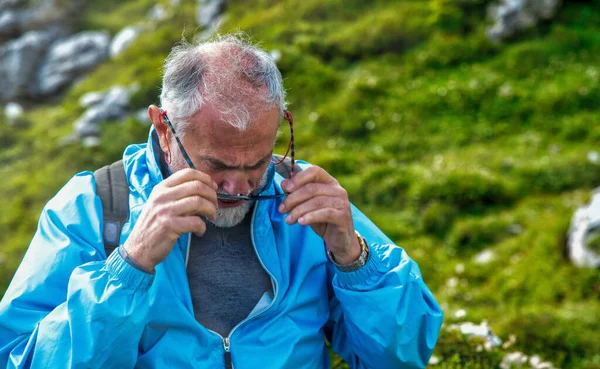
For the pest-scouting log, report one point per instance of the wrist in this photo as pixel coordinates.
(351, 255)
(353, 264)
(136, 258)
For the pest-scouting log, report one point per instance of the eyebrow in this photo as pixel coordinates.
(219, 165)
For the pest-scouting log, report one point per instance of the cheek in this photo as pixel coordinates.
(254, 177)
(177, 163)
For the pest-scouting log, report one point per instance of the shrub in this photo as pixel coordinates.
(437, 218)
(464, 189)
(561, 173)
(474, 234)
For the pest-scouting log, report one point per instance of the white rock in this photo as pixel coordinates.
(142, 116)
(124, 39)
(484, 257)
(513, 360)
(276, 54)
(452, 282)
(20, 61)
(461, 313)
(208, 12)
(102, 106)
(13, 111)
(91, 98)
(593, 157)
(433, 360)
(90, 141)
(482, 330)
(157, 13)
(70, 58)
(512, 16)
(42, 14)
(584, 226)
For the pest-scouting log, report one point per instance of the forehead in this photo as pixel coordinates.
(210, 134)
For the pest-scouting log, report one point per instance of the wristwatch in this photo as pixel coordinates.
(355, 265)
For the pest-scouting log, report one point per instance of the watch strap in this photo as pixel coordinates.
(355, 265)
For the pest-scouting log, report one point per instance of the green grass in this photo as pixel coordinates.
(453, 145)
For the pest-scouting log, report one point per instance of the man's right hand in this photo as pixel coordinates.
(172, 210)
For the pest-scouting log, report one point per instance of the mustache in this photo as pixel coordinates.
(223, 192)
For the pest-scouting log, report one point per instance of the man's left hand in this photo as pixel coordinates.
(317, 199)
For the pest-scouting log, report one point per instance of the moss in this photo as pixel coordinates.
(437, 218)
(593, 242)
(449, 143)
(475, 234)
(463, 188)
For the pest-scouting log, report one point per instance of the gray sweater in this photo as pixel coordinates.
(225, 276)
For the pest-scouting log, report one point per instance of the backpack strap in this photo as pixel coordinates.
(113, 190)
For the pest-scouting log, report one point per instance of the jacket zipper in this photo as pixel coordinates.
(227, 354)
(275, 285)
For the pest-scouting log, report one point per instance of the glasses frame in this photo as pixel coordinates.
(286, 115)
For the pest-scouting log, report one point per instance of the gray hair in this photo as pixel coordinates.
(228, 71)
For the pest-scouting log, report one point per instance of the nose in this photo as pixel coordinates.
(236, 182)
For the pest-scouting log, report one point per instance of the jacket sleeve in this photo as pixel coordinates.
(382, 315)
(68, 307)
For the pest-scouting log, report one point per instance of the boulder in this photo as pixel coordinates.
(70, 58)
(512, 16)
(102, 106)
(583, 240)
(209, 12)
(20, 60)
(16, 19)
(124, 39)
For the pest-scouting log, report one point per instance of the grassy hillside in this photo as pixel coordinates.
(451, 144)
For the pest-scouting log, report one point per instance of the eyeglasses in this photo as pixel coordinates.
(290, 150)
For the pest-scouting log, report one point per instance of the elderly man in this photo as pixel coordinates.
(222, 261)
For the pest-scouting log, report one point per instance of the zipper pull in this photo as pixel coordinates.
(227, 354)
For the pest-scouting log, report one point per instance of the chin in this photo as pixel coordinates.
(230, 217)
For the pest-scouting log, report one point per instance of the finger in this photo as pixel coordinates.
(188, 224)
(189, 174)
(192, 188)
(307, 192)
(312, 174)
(315, 203)
(195, 205)
(326, 215)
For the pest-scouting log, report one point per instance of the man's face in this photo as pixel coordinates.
(236, 160)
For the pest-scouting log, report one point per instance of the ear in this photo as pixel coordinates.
(160, 126)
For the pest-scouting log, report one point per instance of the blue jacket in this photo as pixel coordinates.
(68, 306)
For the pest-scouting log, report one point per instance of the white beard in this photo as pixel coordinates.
(230, 217)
